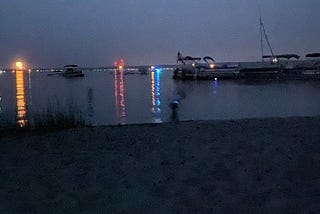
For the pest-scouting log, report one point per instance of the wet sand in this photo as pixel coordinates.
(241, 166)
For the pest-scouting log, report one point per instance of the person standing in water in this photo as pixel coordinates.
(174, 105)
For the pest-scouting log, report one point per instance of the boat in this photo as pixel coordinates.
(203, 68)
(72, 71)
(283, 66)
(186, 68)
(279, 67)
(68, 71)
(313, 55)
(310, 66)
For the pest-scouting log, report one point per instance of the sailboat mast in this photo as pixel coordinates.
(263, 31)
(261, 39)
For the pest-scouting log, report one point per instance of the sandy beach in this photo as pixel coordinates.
(236, 166)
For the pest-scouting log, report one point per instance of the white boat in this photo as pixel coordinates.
(203, 68)
(276, 67)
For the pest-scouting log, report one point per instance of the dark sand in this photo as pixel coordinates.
(242, 166)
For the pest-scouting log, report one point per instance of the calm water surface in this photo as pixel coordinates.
(112, 97)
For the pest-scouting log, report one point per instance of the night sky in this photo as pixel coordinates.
(47, 33)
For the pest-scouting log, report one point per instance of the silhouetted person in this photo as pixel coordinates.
(174, 105)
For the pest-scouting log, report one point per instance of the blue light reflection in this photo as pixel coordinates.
(156, 95)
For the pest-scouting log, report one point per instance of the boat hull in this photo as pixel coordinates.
(73, 75)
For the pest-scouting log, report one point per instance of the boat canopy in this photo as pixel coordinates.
(74, 66)
(288, 56)
(284, 56)
(313, 55)
(206, 58)
(191, 58)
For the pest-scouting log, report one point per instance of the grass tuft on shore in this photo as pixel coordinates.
(51, 119)
(48, 119)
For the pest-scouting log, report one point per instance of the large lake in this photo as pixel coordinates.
(112, 97)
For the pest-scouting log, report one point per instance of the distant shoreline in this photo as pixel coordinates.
(169, 66)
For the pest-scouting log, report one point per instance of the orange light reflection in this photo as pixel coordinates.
(21, 104)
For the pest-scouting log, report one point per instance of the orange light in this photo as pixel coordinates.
(19, 65)
(120, 66)
(212, 65)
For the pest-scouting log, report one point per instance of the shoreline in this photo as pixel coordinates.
(250, 165)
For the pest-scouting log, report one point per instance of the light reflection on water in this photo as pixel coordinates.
(156, 95)
(106, 97)
(21, 103)
(119, 94)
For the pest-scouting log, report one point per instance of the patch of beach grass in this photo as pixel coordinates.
(52, 117)
(57, 118)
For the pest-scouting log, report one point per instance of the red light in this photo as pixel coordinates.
(119, 63)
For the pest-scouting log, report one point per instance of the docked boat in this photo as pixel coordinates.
(284, 66)
(72, 71)
(69, 71)
(203, 68)
(310, 66)
(281, 67)
(313, 55)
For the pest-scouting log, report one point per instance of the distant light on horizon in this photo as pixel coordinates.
(19, 65)
(120, 64)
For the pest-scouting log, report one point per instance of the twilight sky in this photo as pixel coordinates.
(47, 33)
